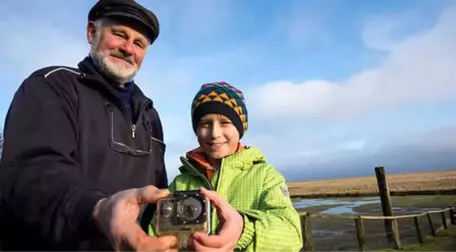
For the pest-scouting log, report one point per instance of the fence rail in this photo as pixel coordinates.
(394, 235)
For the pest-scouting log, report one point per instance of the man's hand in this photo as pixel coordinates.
(231, 222)
(117, 216)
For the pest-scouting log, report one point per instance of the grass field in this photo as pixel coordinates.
(433, 182)
(359, 195)
(332, 233)
(444, 241)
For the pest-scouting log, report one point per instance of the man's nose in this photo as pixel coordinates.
(128, 47)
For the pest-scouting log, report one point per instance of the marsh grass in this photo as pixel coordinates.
(444, 241)
(331, 233)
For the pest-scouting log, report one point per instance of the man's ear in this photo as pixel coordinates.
(90, 32)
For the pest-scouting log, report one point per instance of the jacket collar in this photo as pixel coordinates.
(91, 71)
(243, 159)
(101, 82)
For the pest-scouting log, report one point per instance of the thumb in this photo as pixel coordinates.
(150, 194)
(216, 200)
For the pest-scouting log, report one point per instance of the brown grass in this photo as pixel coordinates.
(432, 181)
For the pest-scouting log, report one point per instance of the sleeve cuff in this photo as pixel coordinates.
(247, 233)
(82, 215)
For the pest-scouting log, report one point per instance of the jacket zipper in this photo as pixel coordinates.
(125, 112)
(199, 174)
(133, 125)
(133, 128)
(214, 218)
(217, 183)
(204, 178)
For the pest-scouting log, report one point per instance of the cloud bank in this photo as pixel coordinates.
(417, 68)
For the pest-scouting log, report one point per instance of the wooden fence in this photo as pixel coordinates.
(394, 236)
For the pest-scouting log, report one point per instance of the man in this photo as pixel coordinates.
(78, 139)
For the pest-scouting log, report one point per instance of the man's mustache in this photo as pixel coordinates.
(119, 55)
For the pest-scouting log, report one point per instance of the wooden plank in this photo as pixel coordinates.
(431, 225)
(385, 198)
(444, 221)
(409, 216)
(419, 235)
(438, 211)
(453, 216)
(307, 232)
(360, 234)
(395, 233)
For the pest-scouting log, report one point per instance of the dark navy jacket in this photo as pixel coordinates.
(69, 141)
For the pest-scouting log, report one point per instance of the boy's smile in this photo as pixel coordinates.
(216, 145)
(217, 136)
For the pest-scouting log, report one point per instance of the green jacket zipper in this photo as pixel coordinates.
(198, 174)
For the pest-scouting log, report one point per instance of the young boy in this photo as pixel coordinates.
(237, 173)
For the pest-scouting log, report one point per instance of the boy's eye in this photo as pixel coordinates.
(204, 124)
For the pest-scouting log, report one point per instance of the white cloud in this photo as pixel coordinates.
(418, 68)
(386, 31)
(433, 149)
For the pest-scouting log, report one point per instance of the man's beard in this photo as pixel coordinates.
(118, 72)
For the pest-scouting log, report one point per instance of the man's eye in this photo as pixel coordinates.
(139, 44)
(118, 34)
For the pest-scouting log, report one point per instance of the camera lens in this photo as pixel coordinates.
(190, 209)
(166, 209)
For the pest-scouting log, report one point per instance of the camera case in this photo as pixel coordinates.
(183, 213)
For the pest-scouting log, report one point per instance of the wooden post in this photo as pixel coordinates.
(307, 232)
(452, 216)
(444, 222)
(360, 234)
(396, 236)
(385, 198)
(419, 235)
(428, 215)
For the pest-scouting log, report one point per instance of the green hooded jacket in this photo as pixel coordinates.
(257, 191)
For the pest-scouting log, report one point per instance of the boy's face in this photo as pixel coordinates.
(217, 135)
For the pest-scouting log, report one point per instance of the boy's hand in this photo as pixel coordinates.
(231, 228)
(117, 215)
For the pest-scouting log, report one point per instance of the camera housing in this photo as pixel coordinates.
(183, 213)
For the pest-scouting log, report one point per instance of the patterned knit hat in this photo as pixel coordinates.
(221, 98)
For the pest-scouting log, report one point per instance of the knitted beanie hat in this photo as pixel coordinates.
(221, 98)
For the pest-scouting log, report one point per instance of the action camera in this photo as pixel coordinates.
(183, 213)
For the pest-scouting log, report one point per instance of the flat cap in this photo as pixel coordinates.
(128, 11)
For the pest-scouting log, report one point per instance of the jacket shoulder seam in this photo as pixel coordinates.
(60, 69)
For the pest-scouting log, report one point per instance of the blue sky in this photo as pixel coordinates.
(333, 88)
